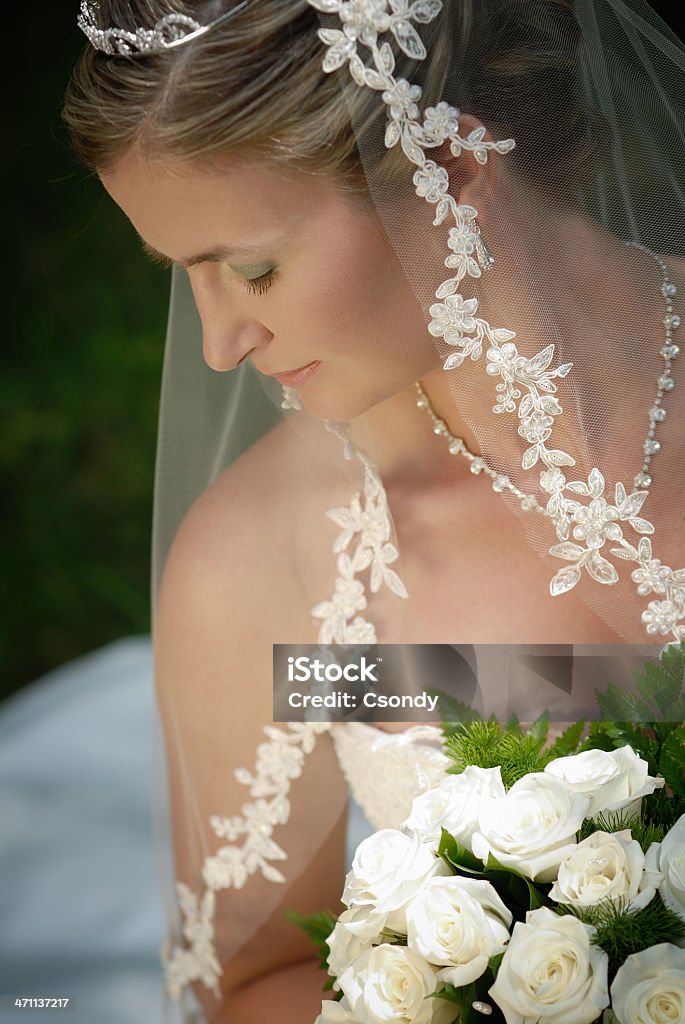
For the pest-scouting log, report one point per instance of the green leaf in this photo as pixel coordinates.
(539, 730)
(672, 762)
(620, 705)
(494, 963)
(316, 926)
(568, 742)
(656, 685)
(450, 994)
(673, 663)
(453, 713)
(660, 691)
(513, 887)
(457, 856)
(513, 726)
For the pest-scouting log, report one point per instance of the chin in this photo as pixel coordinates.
(338, 404)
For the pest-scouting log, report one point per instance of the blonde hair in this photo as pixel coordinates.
(255, 84)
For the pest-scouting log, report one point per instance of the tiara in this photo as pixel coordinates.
(169, 32)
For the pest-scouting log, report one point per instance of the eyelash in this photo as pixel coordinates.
(260, 285)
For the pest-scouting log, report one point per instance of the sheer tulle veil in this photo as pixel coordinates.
(561, 359)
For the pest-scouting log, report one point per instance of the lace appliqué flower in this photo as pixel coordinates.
(366, 518)
(278, 762)
(528, 385)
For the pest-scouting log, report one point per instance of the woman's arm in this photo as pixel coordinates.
(291, 995)
(213, 668)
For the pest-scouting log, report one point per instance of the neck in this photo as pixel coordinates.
(546, 287)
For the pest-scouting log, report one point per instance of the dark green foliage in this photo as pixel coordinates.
(516, 891)
(661, 811)
(621, 933)
(659, 696)
(465, 996)
(568, 742)
(453, 713)
(84, 322)
(644, 831)
(457, 857)
(651, 722)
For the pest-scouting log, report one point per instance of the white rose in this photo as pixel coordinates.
(458, 924)
(455, 804)
(670, 861)
(551, 971)
(606, 866)
(355, 930)
(649, 988)
(387, 870)
(614, 780)
(531, 828)
(333, 1012)
(391, 985)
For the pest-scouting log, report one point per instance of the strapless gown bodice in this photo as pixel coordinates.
(385, 771)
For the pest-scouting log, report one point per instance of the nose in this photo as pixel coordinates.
(229, 333)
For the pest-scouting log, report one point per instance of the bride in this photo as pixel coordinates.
(439, 247)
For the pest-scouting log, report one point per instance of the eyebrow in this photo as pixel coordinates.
(216, 255)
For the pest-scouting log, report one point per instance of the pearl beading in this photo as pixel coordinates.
(665, 383)
(478, 465)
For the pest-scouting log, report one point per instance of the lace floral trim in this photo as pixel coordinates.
(368, 519)
(527, 385)
(250, 848)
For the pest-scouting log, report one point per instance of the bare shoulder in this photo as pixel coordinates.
(231, 549)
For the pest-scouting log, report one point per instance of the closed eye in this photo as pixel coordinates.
(260, 285)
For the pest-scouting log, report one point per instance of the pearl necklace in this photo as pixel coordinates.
(657, 414)
(669, 350)
(457, 446)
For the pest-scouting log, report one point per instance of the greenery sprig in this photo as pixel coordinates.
(622, 932)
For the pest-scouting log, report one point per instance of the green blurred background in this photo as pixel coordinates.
(82, 354)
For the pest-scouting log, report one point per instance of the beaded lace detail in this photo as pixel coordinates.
(249, 848)
(385, 772)
(528, 385)
(368, 519)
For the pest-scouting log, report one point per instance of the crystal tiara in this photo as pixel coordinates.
(169, 32)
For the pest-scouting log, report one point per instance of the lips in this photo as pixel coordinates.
(296, 378)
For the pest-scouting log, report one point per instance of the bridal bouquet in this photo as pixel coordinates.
(534, 884)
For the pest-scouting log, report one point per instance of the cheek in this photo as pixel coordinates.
(360, 294)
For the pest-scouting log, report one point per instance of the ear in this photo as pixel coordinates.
(471, 182)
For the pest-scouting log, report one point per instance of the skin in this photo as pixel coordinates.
(322, 249)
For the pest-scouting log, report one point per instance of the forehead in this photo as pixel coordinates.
(182, 208)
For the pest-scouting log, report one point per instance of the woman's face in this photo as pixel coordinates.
(287, 271)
